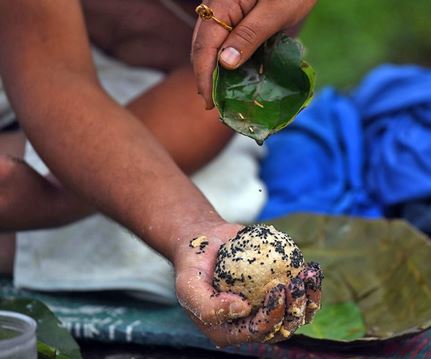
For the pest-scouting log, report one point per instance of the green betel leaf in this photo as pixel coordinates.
(53, 341)
(266, 93)
(340, 321)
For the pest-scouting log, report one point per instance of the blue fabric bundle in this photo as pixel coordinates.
(361, 154)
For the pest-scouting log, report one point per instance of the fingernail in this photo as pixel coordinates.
(236, 310)
(230, 56)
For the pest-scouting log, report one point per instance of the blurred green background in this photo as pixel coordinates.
(344, 39)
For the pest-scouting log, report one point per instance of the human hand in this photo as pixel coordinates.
(226, 317)
(302, 302)
(253, 22)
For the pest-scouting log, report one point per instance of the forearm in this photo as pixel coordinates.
(102, 152)
(174, 113)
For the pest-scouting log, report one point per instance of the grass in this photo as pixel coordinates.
(346, 38)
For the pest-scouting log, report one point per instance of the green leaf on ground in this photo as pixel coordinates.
(380, 265)
(340, 321)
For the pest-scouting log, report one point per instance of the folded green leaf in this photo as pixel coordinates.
(266, 93)
(53, 340)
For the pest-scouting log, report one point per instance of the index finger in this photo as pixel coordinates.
(209, 37)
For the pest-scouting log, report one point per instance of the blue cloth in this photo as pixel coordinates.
(358, 154)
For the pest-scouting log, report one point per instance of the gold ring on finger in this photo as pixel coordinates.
(206, 13)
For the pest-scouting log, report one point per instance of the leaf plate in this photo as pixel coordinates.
(381, 266)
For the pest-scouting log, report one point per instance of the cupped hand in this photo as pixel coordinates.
(253, 22)
(226, 317)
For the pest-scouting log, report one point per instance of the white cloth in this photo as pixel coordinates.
(98, 254)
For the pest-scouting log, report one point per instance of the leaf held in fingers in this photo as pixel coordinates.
(266, 93)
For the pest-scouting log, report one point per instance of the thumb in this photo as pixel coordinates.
(196, 294)
(247, 36)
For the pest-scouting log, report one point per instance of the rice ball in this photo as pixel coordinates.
(256, 260)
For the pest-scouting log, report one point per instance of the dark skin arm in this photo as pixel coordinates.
(175, 114)
(105, 154)
(191, 135)
(95, 147)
